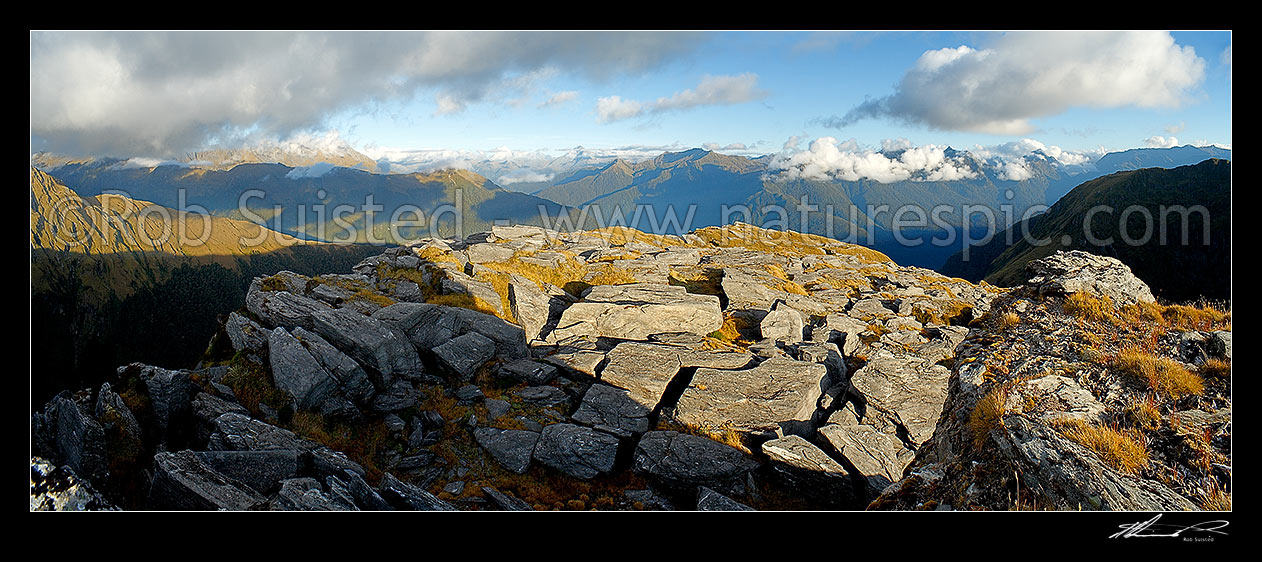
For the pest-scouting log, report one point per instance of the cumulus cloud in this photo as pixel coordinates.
(1158, 141)
(1176, 129)
(900, 160)
(829, 159)
(163, 93)
(1026, 75)
(712, 90)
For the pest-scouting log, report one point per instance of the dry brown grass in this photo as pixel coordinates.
(738, 330)
(1216, 368)
(1166, 376)
(1007, 321)
(988, 413)
(1122, 450)
(1089, 307)
(1144, 415)
(361, 441)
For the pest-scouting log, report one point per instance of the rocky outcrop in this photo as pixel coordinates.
(1077, 271)
(719, 370)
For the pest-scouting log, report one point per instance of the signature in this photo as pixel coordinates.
(1151, 528)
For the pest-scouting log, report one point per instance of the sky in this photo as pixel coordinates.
(163, 94)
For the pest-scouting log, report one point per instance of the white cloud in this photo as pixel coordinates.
(162, 93)
(712, 90)
(1176, 129)
(448, 105)
(899, 160)
(828, 159)
(1158, 141)
(1026, 75)
(716, 147)
(560, 98)
(614, 108)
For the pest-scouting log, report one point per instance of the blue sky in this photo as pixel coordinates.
(178, 91)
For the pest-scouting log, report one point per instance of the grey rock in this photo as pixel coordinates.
(710, 500)
(1077, 271)
(778, 395)
(1220, 344)
(262, 471)
(297, 373)
(809, 471)
(649, 499)
(906, 390)
(181, 481)
(487, 253)
(842, 330)
(879, 457)
(402, 495)
(305, 494)
(430, 325)
(207, 409)
(365, 497)
(171, 397)
(245, 334)
(373, 343)
(352, 381)
(122, 431)
(683, 462)
(542, 395)
(468, 393)
(399, 396)
(70, 436)
(577, 451)
(613, 410)
(536, 309)
(496, 409)
(464, 355)
(869, 309)
(645, 369)
(512, 448)
(282, 308)
(1069, 474)
(638, 310)
(505, 501)
(458, 283)
(529, 371)
(782, 324)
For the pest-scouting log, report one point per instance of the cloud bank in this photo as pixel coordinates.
(164, 93)
(1026, 75)
(899, 160)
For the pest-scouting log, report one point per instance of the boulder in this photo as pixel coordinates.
(181, 481)
(262, 471)
(528, 371)
(402, 495)
(710, 500)
(612, 410)
(537, 311)
(305, 494)
(374, 344)
(352, 381)
(779, 395)
(645, 369)
(1077, 271)
(512, 448)
(429, 325)
(682, 462)
(299, 375)
(282, 308)
(245, 334)
(906, 390)
(464, 355)
(505, 501)
(880, 458)
(782, 324)
(577, 451)
(638, 310)
(809, 471)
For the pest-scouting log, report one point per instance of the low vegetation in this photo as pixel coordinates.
(1166, 376)
(1124, 451)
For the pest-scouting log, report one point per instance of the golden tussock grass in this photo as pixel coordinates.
(1007, 320)
(1124, 451)
(988, 413)
(1216, 368)
(1166, 376)
(737, 329)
